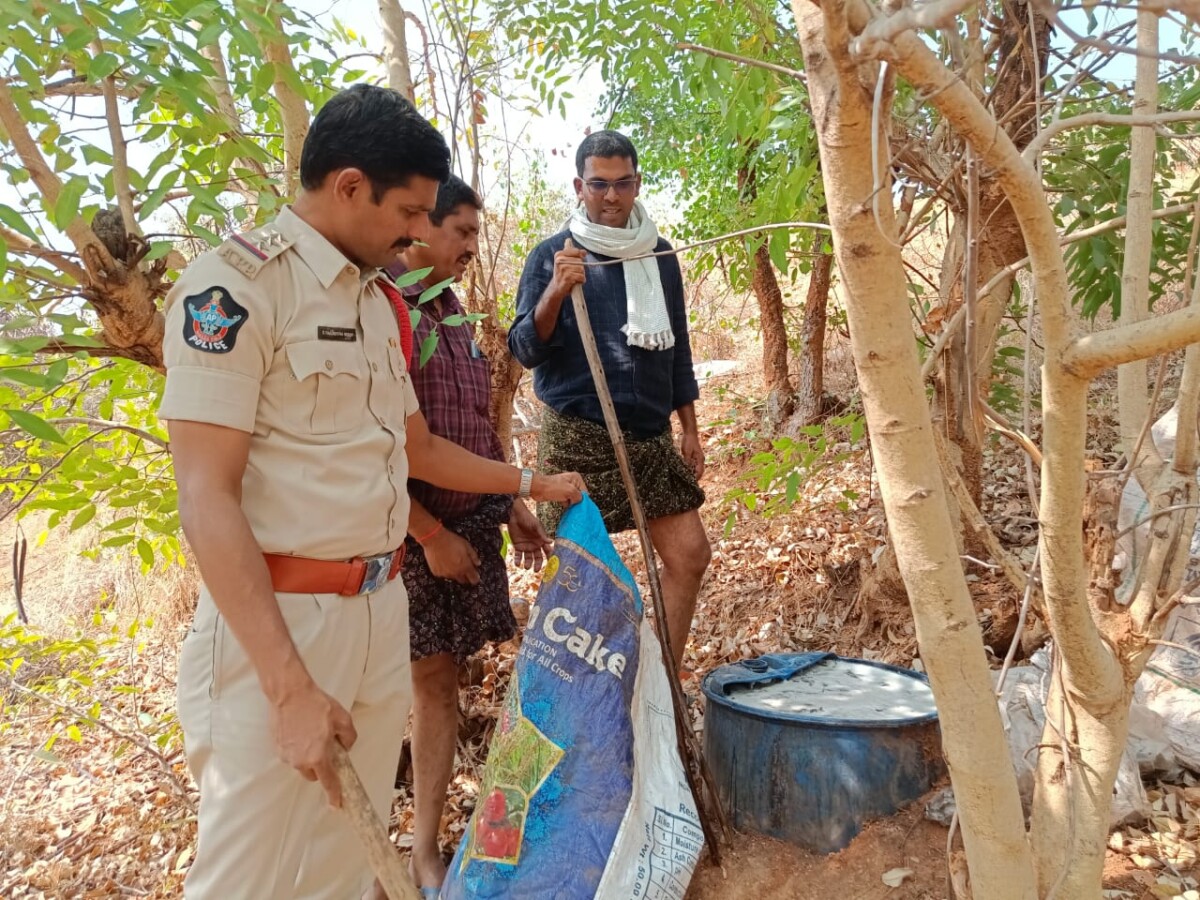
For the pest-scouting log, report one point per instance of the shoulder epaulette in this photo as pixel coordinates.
(249, 252)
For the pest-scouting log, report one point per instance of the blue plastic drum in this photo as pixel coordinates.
(808, 747)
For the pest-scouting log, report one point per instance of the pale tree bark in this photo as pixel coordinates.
(1097, 655)
(1132, 405)
(395, 49)
(120, 154)
(902, 442)
(292, 107)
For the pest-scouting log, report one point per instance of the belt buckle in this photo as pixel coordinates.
(376, 570)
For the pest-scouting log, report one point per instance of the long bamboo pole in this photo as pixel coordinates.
(381, 852)
(689, 747)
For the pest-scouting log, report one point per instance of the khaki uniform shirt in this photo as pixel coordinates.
(278, 335)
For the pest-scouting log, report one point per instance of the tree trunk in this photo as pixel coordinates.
(776, 378)
(810, 400)
(506, 378)
(395, 49)
(1014, 102)
(781, 400)
(1132, 403)
(905, 455)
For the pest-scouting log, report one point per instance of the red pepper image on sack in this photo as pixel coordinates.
(496, 835)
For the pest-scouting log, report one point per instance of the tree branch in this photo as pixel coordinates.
(43, 176)
(956, 320)
(882, 31)
(292, 107)
(1038, 144)
(228, 110)
(120, 167)
(744, 60)
(974, 519)
(1090, 354)
(1132, 407)
(395, 49)
(78, 86)
(105, 425)
(18, 243)
(1088, 658)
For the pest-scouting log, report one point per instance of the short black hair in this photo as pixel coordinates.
(453, 193)
(376, 130)
(605, 144)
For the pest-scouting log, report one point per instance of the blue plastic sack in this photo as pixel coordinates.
(565, 807)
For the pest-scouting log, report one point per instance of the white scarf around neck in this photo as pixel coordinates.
(648, 325)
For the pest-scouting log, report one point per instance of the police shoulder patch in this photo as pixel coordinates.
(213, 320)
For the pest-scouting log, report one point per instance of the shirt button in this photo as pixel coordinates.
(329, 364)
(374, 367)
(391, 470)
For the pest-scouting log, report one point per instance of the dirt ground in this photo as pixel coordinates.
(758, 868)
(911, 850)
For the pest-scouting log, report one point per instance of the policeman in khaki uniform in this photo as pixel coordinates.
(294, 429)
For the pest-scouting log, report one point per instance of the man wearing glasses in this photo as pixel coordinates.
(638, 315)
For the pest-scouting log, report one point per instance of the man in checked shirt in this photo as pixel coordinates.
(455, 574)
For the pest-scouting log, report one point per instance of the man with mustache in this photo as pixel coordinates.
(453, 569)
(294, 429)
(637, 310)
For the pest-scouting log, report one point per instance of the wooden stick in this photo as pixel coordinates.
(689, 749)
(382, 854)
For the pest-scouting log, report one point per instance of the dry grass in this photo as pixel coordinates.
(64, 588)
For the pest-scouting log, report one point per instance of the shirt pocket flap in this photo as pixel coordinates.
(325, 358)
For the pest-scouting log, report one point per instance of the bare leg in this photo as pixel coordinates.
(682, 545)
(434, 733)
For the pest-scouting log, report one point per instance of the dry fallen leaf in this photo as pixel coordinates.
(895, 877)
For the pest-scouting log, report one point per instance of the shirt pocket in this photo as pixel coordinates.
(477, 384)
(330, 389)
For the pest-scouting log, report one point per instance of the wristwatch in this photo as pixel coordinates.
(526, 483)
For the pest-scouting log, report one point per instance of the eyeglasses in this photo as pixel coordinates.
(600, 188)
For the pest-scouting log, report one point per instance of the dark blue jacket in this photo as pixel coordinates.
(646, 385)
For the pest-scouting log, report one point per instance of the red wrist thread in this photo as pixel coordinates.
(421, 539)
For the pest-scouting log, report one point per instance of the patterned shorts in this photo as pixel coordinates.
(666, 483)
(447, 617)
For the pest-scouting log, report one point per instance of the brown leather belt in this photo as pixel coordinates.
(361, 575)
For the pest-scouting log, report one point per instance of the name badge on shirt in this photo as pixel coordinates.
(332, 333)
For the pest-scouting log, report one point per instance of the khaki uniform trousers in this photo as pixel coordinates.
(264, 831)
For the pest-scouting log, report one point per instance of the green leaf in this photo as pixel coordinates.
(74, 734)
(264, 78)
(145, 551)
(436, 291)
(408, 279)
(102, 66)
(67, 207)
(84, 516)
(36, 426)
(428, 346)
(24, 376)
(17, 221)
